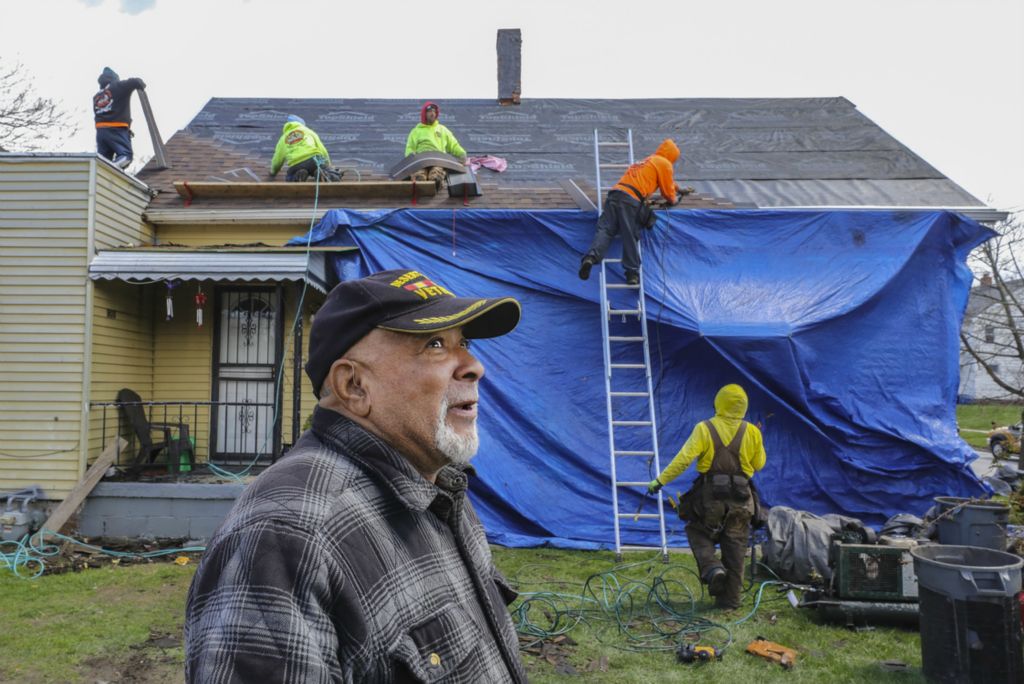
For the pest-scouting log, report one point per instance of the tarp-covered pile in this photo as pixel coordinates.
(842, 327)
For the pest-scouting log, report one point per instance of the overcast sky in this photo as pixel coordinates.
(945, 77)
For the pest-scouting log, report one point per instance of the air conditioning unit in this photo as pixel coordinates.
(869, 572)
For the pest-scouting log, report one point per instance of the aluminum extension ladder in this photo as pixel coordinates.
(629, 417)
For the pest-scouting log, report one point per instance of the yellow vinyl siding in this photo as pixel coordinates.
(119, 206)
(44, 212)
(308, 400)
(122, 315)
(182, 358)
(122, 353)
(238, 234)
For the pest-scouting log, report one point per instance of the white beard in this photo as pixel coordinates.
(455, 447)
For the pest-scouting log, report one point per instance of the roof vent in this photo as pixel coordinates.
(510, 66)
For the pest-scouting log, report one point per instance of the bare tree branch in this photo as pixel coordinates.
(995, 330)
(27, 120)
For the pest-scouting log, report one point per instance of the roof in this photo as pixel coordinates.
(158, 264)
(195, 158)
(755, 152)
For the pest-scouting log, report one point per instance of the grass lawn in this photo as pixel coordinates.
(107, 624)
(980, 417)
(124, 624)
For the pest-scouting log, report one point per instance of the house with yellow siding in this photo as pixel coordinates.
(85, 285)
(103, 275)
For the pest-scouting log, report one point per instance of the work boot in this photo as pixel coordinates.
(632, 278)
(437, 174)
(716, 582)
(121, 161)
(585, 266)
(300, 176)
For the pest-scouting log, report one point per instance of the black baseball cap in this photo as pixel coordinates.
(402, 300)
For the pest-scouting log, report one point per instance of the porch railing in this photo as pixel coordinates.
(219, 432)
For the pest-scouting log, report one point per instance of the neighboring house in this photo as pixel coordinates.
(87, 253)
(985, 325)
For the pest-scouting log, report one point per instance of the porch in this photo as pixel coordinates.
(198, 355)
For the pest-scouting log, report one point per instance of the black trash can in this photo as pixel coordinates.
(968, 522)
(970, 614)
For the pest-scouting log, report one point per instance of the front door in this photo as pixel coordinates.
(247, 340)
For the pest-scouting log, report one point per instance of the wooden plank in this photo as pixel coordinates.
(77, 495)
(364, 189)
(154, 135)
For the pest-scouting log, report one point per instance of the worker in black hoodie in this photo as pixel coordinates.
(112, 109)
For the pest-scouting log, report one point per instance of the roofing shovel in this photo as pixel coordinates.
(158, 144)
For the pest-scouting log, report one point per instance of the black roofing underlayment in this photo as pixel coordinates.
(772, 152)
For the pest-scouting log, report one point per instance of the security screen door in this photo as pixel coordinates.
(247, 341)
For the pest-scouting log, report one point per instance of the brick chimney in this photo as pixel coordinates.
(986, 280)
(510, 66)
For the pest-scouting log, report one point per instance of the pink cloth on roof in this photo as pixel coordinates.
(487, 161)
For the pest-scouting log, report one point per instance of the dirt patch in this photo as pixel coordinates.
(158, 660)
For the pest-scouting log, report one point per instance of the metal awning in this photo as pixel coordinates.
(143, 266)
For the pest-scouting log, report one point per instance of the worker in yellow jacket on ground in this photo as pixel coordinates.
(431, 135)
(719, 507)
(300, 148)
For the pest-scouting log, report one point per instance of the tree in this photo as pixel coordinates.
(27, 120)
(993, 333)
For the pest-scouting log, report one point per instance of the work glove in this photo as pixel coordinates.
(654, 486)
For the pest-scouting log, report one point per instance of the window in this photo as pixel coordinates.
(990, 333)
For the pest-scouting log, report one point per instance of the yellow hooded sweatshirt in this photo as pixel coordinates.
(730, 407)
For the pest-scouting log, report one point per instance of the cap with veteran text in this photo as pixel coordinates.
(402, 300)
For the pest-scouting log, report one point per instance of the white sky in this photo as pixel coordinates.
(945, 77)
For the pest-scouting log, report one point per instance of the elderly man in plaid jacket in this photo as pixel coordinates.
(358, 557)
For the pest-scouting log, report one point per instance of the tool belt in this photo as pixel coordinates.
(710, 487)
(645, 216)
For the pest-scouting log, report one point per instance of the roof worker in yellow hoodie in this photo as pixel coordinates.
(623, 206)
(431, 135)
(300, 148)
(719, 507)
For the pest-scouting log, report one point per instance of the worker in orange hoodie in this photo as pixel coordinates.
(623, 206)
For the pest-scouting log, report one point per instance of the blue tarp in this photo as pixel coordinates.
(842, 327)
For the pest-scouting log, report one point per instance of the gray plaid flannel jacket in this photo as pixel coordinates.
(340, 563)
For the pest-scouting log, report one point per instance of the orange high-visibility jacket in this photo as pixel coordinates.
(653, 173)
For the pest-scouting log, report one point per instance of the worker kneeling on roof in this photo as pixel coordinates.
(300, 148)
(624, 206)
(720, 505)
(430, 135)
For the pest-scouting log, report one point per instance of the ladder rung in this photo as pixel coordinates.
(622, 286)
(614, 166)
(612, 261)
(623, 312)
(629, 394)
(632, 423)
(622, 483)
(627, 365)
(633, 453)
(639, 515)
(613, 144)
(619, 338)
